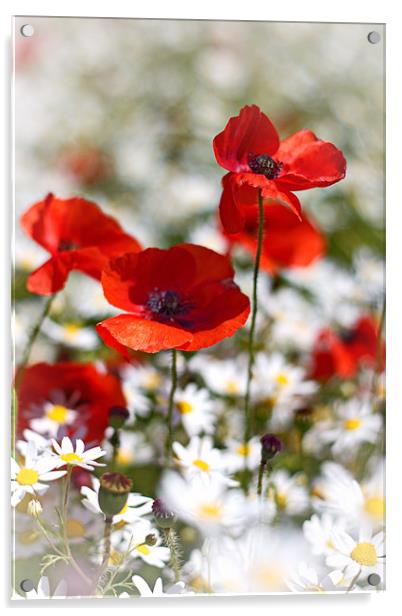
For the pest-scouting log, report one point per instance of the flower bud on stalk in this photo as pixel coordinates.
(164, 518)
(270, 446)
(34, 508)
(118, 416)
(113, 493)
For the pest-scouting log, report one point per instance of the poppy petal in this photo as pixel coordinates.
(230, 215)
(251, 132)
(138, 334)
(309, 162)
(48, 278)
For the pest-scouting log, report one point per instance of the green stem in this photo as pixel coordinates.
(169, 438)
(34, 333)
(248, 420)
(260, 476)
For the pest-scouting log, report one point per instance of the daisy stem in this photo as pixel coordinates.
(248, 420)
(173, 545)
(66, 492)
(34, 333)
(353, 582)
(169, 439)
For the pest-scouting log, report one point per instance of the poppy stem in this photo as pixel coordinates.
(169, 438)
(35, 331)
(248, 419)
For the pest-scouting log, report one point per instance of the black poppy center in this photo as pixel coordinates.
(167, 305)
(67, 245)
(264, 165)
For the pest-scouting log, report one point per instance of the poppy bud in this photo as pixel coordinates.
(164, 518)
(118, 416)
(270, 446)
(113, 493)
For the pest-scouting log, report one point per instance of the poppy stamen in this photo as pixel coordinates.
(264, 165)
(167, 305)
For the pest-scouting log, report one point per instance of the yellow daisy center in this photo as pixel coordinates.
(27, 477)
(243, 450)
(364, 554)
(71, 330)
(125, 457)
(143, 549)
(210, 511)
(375, 506)
(70, 458)
(282, 379)
(232, 387)
(184, 407)
(57, 413)
(152, 381)
(75, 528)
(352, 424)
(204, 466)
(281, 500)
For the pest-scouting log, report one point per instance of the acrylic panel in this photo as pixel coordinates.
(199, 308)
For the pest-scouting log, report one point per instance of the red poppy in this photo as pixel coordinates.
(250, 149)
(67, 399)
(341, 354)
(78, 235)
(181, 298)
(288, 241)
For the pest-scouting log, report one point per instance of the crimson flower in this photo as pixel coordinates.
(341, 354)
(250, 149)
(288, 241)
(78, 235)
(181, 298)
(67, 399)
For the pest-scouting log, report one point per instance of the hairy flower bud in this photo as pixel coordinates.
(164, 518)
(113, 492)
(34, 508)
(270, 446)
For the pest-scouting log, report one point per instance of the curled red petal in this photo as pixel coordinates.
(309, 162)
(251, 132)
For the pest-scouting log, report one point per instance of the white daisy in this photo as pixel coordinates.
(289, 494)
(210, 507)
(318, 531)
(235, 453)
(338, 493)
(136, 506)
(279, 381)
(137, 381)
(224, 377)
(351, 557)
(54, 417)
(135, 539)
(157, 591)
(200, 458)
(356, 424)
(71, 334)
(32, 476)
(306, 579)
(196, 409)
(133, 448)
(67, 455)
